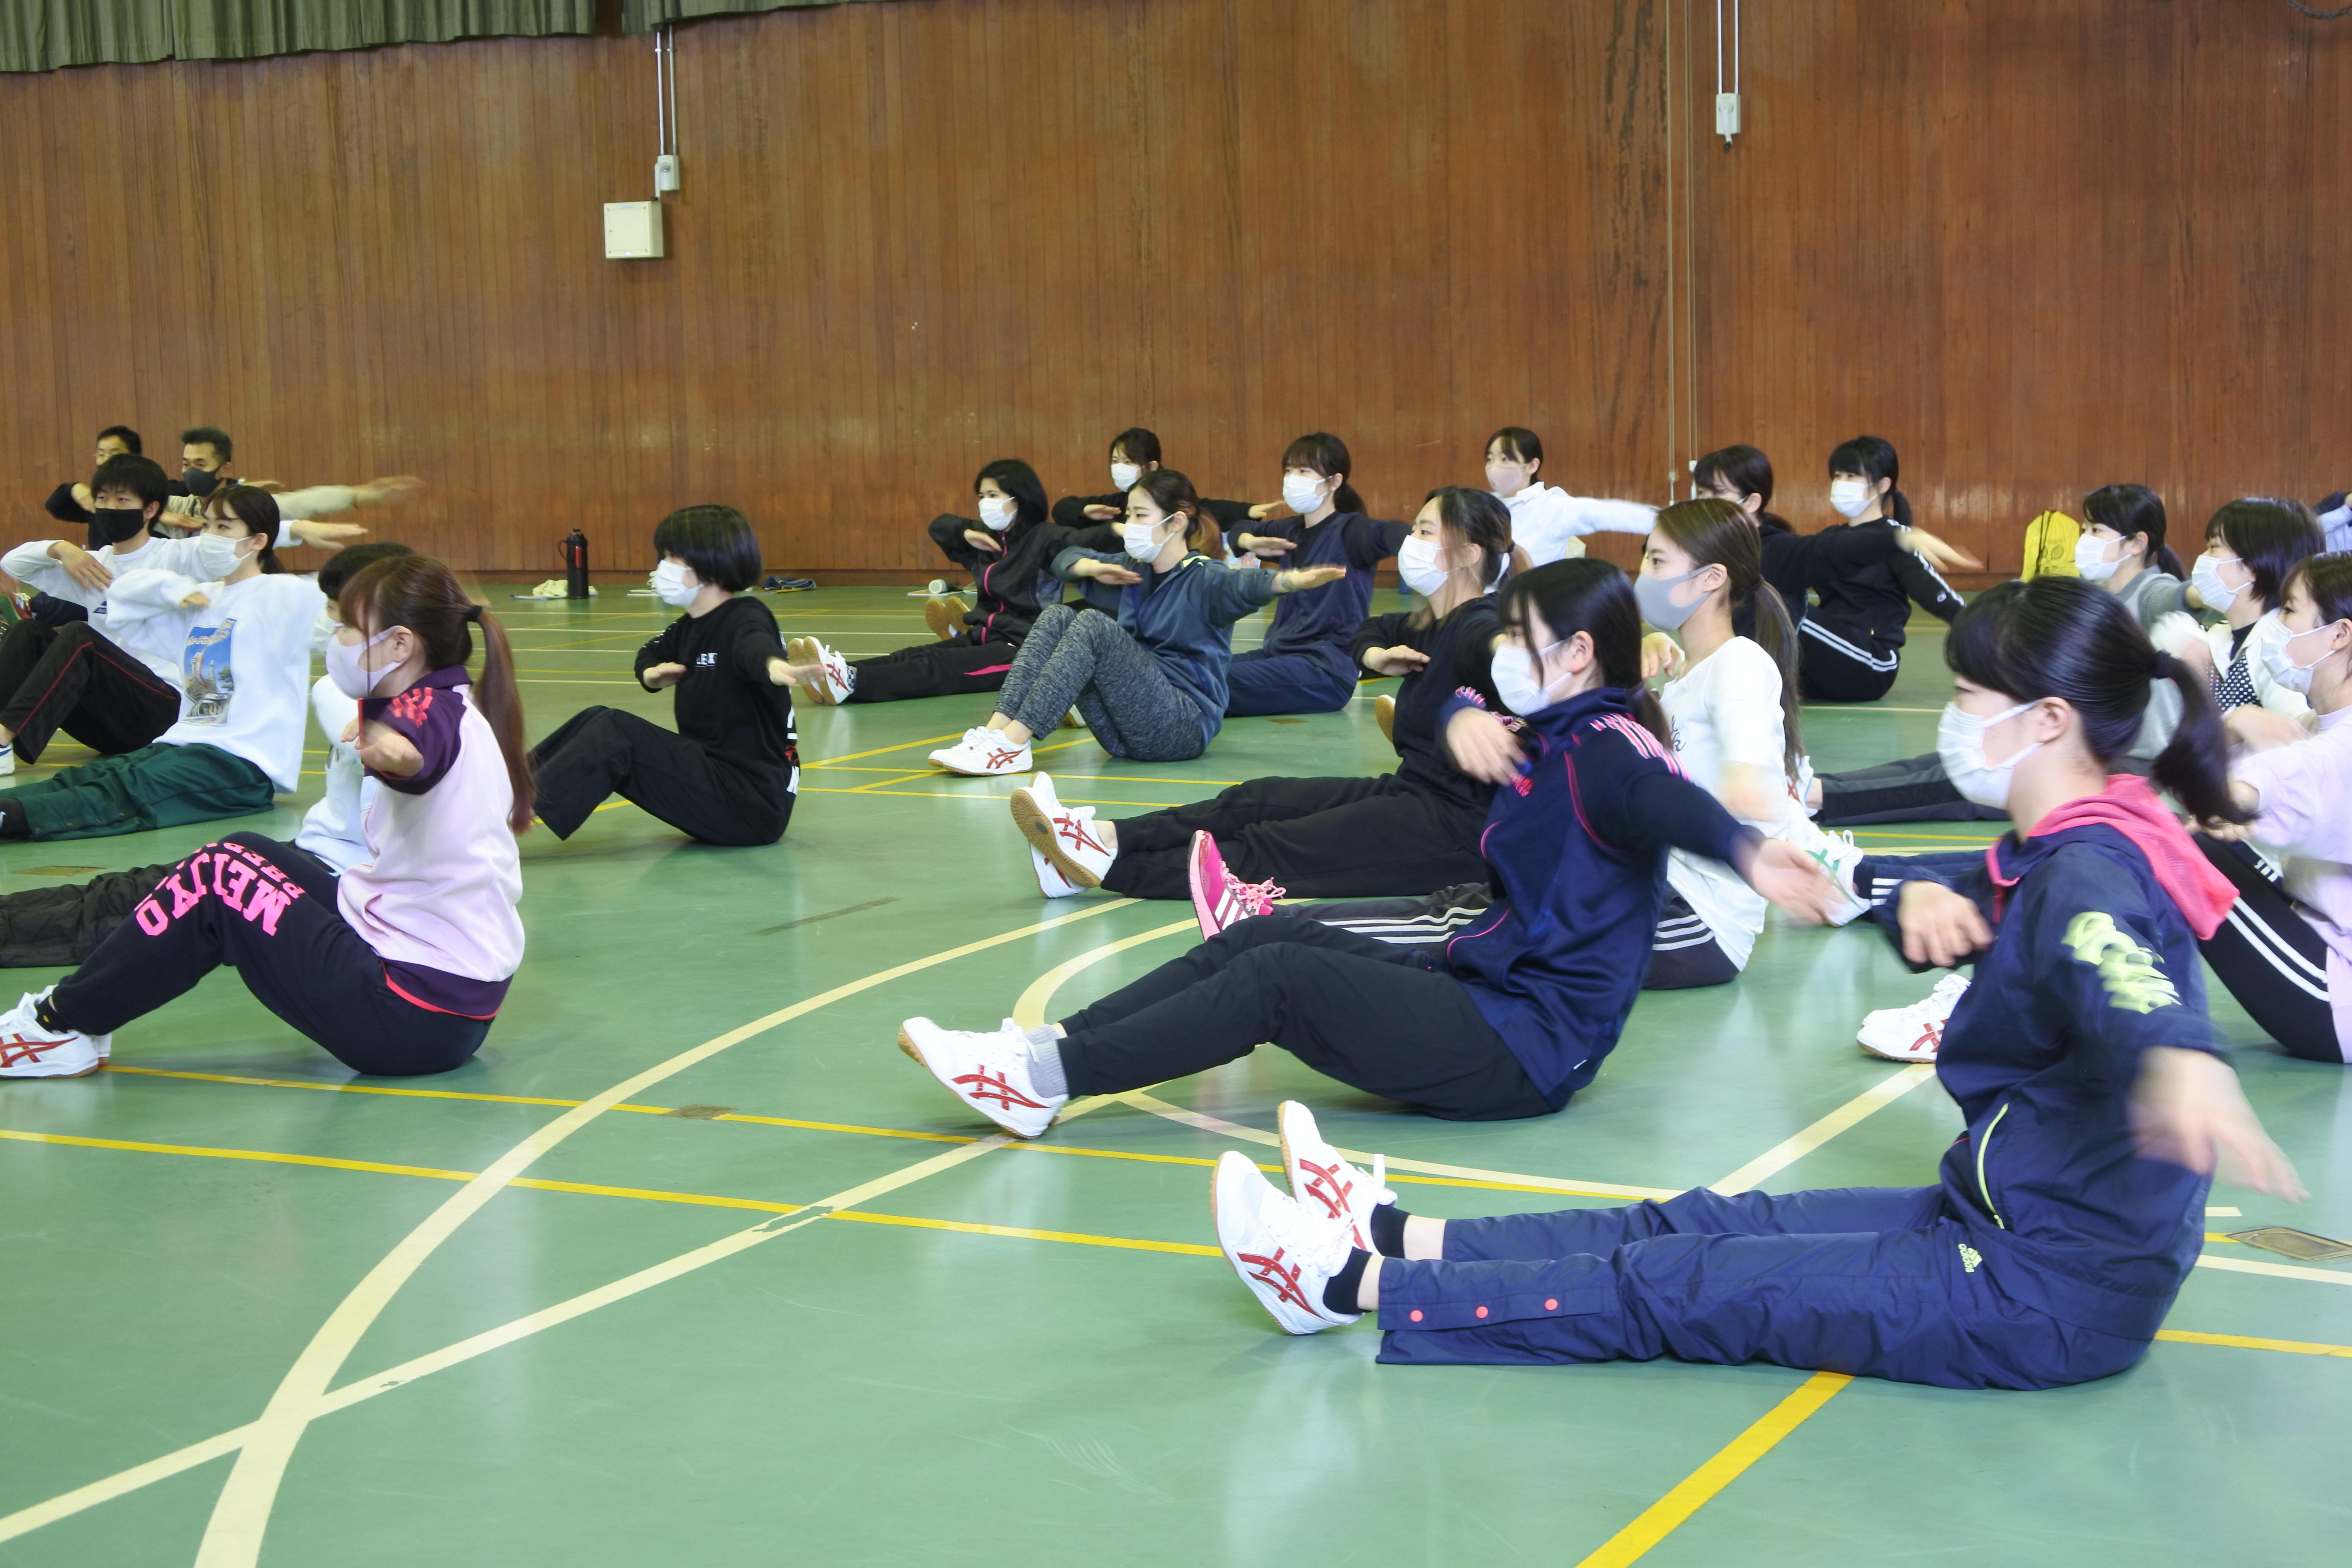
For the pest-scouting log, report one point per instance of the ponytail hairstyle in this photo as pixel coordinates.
(257, 509)
(1172, 492)
(419, 593)
(1874, 459)
(1713, 532)
(2136, 509)
(1326, 454)
(1138, 445)
(1019, 480)
(2060, 636)
(1479, 518)
(1744, 472)
(1591, 595)
(2270, 535)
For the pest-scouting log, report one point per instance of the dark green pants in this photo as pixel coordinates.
(154, 786)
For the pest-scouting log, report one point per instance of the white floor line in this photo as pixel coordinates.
(2277, 1271)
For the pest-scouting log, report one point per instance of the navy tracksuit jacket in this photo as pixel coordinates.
(2048, 1254)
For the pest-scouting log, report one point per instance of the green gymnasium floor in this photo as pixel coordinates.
(693, 1266)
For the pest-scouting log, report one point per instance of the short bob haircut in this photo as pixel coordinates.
(715, 541)
(1019, 480)
(2270, 535)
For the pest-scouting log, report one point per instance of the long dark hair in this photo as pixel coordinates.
(1745, 470)
(1591, 595)
(257, 509)
(1327, 455)
(1172, 492)
(1873, 458)
(1479, 518)
(2135, 508)
(419, 593)
(1019, 480)
(2060, 636)
(2271, 536)
(1713, 532)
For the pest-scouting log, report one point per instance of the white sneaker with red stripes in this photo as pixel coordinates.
(1065, 836)
(833, 680)
(989, 1072)
(1914, 1034)
(1283, 1252)
(1218, 898)
(1050, 882)
(1323, 1182)
(29, 1048)
(984, 754)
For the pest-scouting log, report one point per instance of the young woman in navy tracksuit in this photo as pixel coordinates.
(1512, 1016)
(2096, 1098)
(1151, 684)
(1304, 667)
(1009, 550)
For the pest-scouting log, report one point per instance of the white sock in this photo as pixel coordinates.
(1045, 1061)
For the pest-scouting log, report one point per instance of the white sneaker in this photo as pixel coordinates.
(833, 680)
(1064, 834)
(1050, 882)
(27, 1049)
(1321, 1180)
(7, 759)
(1914, 1034)
(1283, 1253)
(1840, 856)
(989, 1072)
(985, 754)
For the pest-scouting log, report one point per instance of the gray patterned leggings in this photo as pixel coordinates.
(1087, 661)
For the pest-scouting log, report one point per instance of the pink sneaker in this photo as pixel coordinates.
(1218, 900)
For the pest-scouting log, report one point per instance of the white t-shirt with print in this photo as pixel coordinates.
(245, 660)
(1727, 709)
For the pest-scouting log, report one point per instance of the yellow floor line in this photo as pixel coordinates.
(1188, 1248)
(882, 750)
(2243, 1342)
(1789, 1151)
(378, 1167)
(1661, 1518)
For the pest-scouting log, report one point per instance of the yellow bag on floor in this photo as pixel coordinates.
(2049, 546)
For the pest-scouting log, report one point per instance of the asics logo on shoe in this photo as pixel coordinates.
(16, 1051)
(1283, 1277)
(1324, 1185)
(1071, 828)
(1930, 1039)
(986, 1085)
(998, 756)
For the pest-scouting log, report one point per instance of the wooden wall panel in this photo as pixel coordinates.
(2038, 246)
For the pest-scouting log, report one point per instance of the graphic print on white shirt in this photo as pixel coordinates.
(207, 676)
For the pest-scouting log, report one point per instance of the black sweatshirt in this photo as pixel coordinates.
(1461, 650)
(725, 701)
(1866, 580)
(1070, 512)
(1013, 585)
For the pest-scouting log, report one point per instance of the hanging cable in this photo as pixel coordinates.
(2336, 16)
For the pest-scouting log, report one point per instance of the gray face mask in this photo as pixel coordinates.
(1656, 597)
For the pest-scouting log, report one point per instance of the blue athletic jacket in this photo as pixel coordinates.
(2091, 964)
(1184, 619)
(1575, 849)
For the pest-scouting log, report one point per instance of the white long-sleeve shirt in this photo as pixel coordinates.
(30, 564)
(244, 669)
(1550, 524)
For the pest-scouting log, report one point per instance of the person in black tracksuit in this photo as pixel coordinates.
(1133, 454)
(1410, 831)
(1009, 550)
(1512, 1018)
(1866, 575)
(2094, 1094)
(731, 771)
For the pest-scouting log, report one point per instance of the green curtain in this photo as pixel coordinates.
(43, 35)
(645, 15)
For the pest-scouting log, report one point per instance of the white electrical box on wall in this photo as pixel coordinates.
(633, 230)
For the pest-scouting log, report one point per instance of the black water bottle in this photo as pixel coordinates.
(576, 565)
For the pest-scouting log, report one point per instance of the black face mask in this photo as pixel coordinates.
(113, 524)
(200, 482)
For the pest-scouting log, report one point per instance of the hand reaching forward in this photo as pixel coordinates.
(1939, 926)
(1397, 660)
(2186, 1107)
(1482, 747)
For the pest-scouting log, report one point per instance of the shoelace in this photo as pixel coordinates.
(1256, 897)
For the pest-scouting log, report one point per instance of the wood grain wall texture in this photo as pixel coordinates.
(2038, 246)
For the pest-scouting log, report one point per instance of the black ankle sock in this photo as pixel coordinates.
(1340, 1290)
(1388, 1230)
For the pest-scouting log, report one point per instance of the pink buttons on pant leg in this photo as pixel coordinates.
(1551, 1306)
(1416, 1314)
(1482, 1311)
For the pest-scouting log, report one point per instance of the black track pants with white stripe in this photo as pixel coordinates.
(2271, 959)
(1683, 954)
(1843, 664)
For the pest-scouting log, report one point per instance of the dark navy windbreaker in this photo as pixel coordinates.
(1184, 619)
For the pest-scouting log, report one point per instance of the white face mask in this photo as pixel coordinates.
(1507, 479)
(995, 513)
(674, 585)
(1518, 680)
(1850, 497)
(2206, 578)
(1123, 477)
(2092, 561)
(1959, 744)
(351, 678)
(2281, 666)
(1418, 565)
(218, 555)
(1302, 494)
(1142, 539)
